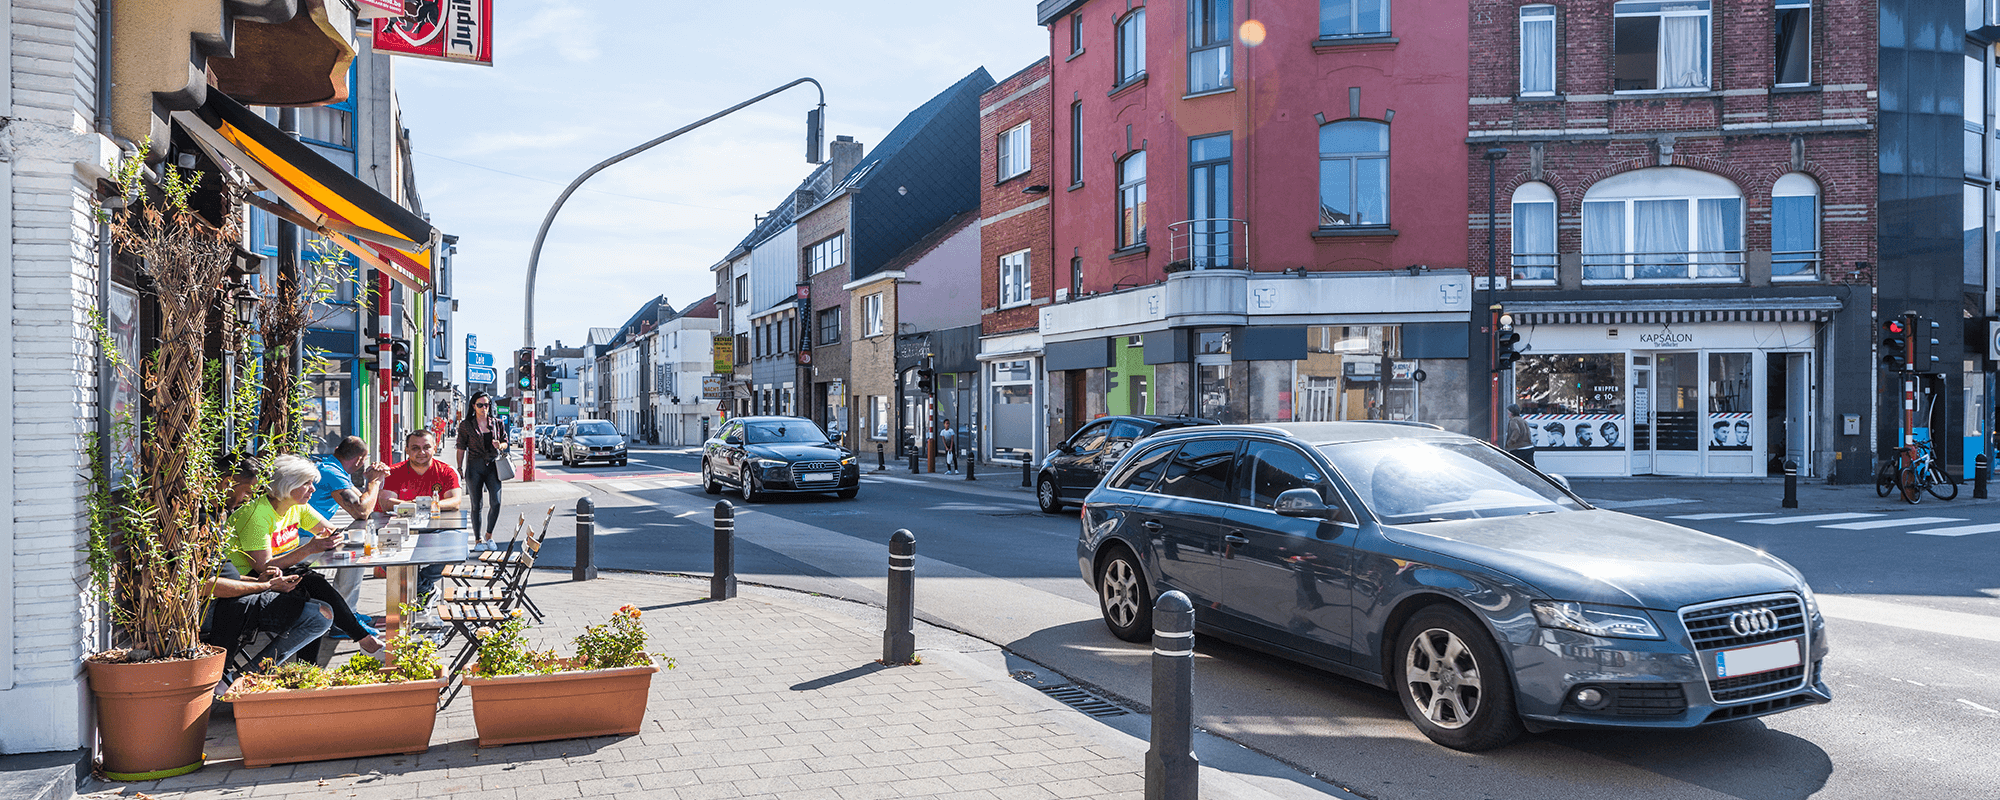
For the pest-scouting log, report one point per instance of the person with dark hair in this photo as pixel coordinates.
(482, 442)
(1519, 441)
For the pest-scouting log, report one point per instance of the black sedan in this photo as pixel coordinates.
(590, 440)
(771, 455)
(1076, 466)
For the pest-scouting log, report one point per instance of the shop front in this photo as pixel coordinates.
(1686, 398)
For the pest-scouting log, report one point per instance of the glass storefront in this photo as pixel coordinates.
(1354, 372)
(1012, 403)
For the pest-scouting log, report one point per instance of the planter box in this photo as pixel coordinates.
(565, 705)
(345, 722)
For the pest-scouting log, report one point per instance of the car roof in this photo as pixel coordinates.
(772, 418)
(1157, 419)
(1319, 433)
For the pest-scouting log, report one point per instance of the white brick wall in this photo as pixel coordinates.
(47, 370)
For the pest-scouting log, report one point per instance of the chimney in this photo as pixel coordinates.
(846, 153)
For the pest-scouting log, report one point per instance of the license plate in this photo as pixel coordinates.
(815, 477)
(1761, 658)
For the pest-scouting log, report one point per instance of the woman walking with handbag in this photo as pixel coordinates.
(482, 445)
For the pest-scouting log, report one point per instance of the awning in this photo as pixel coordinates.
(313, 192)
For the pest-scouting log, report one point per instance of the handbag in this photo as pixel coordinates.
(504, 466)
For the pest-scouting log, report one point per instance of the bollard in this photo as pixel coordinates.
(722, 585)
(880, 462)
(1172, 771)
(1027, 481)
(586, 526)
(899, 644)
(1791, 485)
(1979, 467)
(971, 463)
(916, 467)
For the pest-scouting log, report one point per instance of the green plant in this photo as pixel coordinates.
(413, 658)
(620, 642)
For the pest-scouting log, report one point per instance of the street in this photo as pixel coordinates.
(1914, 616)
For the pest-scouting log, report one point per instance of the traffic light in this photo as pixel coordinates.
(1896, 342)
(524, 366)
(924, 382)
(545, 374)
(399, 352)
(1505, 345)
(1923, 342)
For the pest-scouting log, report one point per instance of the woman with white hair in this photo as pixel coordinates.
(266, 541)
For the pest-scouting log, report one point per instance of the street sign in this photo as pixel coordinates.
(472, 341)
(480, 374)
(478, 359)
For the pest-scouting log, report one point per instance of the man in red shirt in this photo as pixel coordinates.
(421, 476)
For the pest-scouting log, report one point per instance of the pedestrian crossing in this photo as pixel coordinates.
(693, 479)
(1852, 521)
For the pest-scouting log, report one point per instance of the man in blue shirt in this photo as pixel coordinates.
(336, 491)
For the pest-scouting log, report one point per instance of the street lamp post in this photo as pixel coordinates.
(1493, 405)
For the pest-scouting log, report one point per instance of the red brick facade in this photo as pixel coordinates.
(1012, 217)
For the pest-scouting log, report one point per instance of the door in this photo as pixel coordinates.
(1288, 576)
(1075, 468)
(1642, 415)
(1677, 413)
(1729, 429)
(1187, 518)
(1787, 415)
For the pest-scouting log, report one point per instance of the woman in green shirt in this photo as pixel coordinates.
(273, 533)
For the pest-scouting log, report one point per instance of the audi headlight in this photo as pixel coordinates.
(769, 463)
(847, 462)
(1619, 623)
(1812, 603)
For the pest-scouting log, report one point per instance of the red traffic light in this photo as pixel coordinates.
(1895, 326)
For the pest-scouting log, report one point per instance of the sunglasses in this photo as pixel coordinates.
(481, 405)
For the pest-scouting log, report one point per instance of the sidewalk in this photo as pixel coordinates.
(775, 694)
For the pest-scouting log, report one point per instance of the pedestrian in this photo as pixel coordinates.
(482, 441)
(1519, 441)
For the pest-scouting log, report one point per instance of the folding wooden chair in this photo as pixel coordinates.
(509, 586)
(469, 573)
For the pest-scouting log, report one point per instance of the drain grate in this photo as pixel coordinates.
(1081, 700)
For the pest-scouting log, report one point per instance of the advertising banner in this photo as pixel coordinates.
(1577, 431)
(377, 9)
(725, 354)
(711, 387)
(447, 30)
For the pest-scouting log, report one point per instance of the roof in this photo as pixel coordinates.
(703, 308)
(912, 126)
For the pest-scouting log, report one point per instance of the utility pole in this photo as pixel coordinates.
(1493, 404)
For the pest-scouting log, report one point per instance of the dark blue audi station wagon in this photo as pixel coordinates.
(1484, 594)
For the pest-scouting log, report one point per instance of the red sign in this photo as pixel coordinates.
(448, 30)
(376, 9)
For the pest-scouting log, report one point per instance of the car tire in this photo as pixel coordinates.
(849, 494)
(1452, 681)
(749, 487)
(708, 483)
(1047, 496)
(1124, 598)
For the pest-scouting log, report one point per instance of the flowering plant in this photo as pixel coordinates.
(412, 658)
(619, 642)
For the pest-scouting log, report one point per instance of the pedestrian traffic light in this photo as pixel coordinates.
(1505, 345)
(1923, 345)
(924, 382)
(1896, 342)
(399, 353)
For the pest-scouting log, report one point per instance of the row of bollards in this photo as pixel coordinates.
(1172, 770)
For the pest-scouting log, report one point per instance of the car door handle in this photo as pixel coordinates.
(1152, 526)
(1232, 539)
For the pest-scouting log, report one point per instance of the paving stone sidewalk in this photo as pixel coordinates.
(774, 695)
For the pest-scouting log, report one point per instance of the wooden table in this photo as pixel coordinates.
(434, 544)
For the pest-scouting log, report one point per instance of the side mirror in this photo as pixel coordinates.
(732, 439)
(1305, 503)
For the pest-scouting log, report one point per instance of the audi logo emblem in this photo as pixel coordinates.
(1753, 621)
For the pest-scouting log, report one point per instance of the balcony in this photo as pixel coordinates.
(1215, 243)
(1685, 266)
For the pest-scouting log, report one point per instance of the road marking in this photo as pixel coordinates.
(622, 486)
(893, 479)
(1809, 518)
(1728, 515)
(1891, 522)
(1977, 706)
(1962, 530)
(1656, 501)
(1916, 618)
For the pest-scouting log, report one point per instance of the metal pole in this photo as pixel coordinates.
(971, 462)
(1172, 771)
(899, 644)
(1027, 480)
(1979, 471)
(586, 526)
(722, 584)
(1493, 156)
(1791, 485)
(881, 462)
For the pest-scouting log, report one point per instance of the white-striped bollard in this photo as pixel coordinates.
(899, 644)
(1172, 771)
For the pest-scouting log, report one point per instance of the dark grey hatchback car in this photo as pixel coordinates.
(1487, 597)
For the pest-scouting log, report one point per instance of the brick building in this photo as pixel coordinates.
(1702, 209)
(1018, 269)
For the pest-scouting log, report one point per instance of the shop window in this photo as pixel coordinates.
(1574, 401)
(1012, 409)
(1663, 224)
(1538, 50)
(1349, 373)
(1353, 173)
(1795, 228)
(1660, 46)
(1534, 233)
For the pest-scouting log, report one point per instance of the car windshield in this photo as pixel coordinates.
(599, 428)
(784, 433)
(1410, 481)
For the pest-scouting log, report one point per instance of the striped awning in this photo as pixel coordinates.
(313, 192)
(1658, 312)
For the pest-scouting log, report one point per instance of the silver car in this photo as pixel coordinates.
(1489, 598)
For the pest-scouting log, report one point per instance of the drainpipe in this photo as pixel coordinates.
(104, 270)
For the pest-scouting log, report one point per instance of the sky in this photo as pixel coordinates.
(575, 82)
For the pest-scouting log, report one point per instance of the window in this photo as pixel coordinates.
(1267, 470)
(742, 349)
(742, 289)
(1210, 32)
(1794, 42)
(829, 325)
(871, 314)
(1538, 50)
(1795, 227)
(1200, 471)
(1977, 68)
(1975, 235)
(1664, 223)
(1140, 473)
(1076, 33)
(1132, 200)
(1208, 202)
(1132, 47)
(1660, 45)
(1076, 276)
(878, 417)
(1015, 282)
(1076, 143)
(828, 254)
(326, 125)
(1535, 233)
(1353, 18)
(1353, 173)
(1013, 151)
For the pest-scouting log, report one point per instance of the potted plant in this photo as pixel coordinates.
(156, 530)
(303, 712)
(523, 695)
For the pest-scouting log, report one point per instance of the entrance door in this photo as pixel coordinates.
(1788, 421)
(1727, 431)
(1677, 412)
(1642, 415)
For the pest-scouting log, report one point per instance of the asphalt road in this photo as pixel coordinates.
(1914, 624)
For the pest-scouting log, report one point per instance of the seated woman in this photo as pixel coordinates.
(266, 542)
(271, 606)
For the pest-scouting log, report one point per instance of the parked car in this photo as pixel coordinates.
(773, 455)
(548, 440)
(584, 441)
(1481, 592)
(1076, 466)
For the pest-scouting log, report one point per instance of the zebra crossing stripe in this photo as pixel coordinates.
(1892, 522)
(1962, 530)
(1729, 515)
(1809, 518)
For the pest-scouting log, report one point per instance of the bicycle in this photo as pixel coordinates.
(1913, 473)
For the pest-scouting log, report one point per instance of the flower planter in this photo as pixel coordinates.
(153, 715)
(287, 726)
(566, 705)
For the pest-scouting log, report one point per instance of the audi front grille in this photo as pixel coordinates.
(1709, 627)
(803, 468)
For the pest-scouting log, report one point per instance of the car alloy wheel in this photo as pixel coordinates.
(1453, 683)
(708, 483)
(751, 492)
(1122, 596)
(1047, 496)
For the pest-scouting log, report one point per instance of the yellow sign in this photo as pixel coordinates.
(725, 354)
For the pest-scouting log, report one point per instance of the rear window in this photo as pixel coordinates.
(1143, 470)
(1200, 471)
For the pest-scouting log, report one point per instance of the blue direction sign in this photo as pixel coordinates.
(478, 359)
(480, 374)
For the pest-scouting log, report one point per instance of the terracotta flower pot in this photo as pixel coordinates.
(287, 726)
(153, 715)
(565, 705)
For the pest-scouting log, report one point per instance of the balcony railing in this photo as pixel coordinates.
(1796, 265)
(1215, 243)
(1685, 265)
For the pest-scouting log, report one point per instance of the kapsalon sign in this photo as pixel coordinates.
(1666, 337)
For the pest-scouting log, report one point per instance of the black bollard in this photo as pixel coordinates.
(586, 527)
(971, 464)
(722, 585)
(916, 466)
(880, 460)
(1027, 481)
(1791, 485)
(1172, 771)
(899, 644)
(1979, 467)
